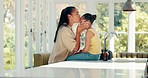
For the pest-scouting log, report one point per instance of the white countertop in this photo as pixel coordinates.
(116, 68)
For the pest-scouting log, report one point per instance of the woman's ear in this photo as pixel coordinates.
(69, 16)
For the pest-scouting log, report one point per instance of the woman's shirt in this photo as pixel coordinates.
(95, 45)
(63, 46)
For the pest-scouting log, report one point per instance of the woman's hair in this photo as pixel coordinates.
(64, 19)
(90, 17)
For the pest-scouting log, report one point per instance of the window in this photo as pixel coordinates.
(36, 26)
(102, 21)
(9, 35)
(141, 27)
(121, 27)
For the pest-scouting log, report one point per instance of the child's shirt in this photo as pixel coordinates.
(95, 45)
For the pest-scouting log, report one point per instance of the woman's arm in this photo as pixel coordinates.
(78, 33)
(77, 46)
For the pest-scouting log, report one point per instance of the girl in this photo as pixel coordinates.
(92, 49)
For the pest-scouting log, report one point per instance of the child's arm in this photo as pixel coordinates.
(89, 35)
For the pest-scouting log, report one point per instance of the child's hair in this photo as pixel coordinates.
(90, 17)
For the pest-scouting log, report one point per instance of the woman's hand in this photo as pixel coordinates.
(80, 28)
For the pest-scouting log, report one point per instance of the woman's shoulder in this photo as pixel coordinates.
(64, 29)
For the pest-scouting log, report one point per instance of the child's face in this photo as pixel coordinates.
(86, 21)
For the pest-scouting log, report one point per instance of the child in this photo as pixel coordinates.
(92, 49)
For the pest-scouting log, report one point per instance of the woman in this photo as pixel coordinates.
(92, 49)
(66, 43)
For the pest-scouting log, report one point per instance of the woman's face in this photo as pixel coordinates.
(86, 22)
(75, 17)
